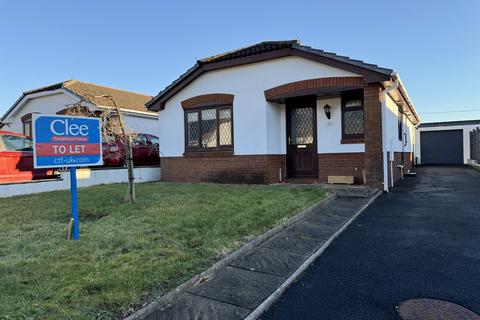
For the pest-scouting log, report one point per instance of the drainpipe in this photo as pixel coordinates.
(391, 159)
(386, 160)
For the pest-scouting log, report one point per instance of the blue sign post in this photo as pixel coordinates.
(74, 203)
(64, 141)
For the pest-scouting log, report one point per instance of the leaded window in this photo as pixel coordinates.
(193, 129)
(352, 114)
(209, 128)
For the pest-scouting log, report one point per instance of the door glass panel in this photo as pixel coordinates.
(301, 126)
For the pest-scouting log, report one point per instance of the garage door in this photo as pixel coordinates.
(442, 147)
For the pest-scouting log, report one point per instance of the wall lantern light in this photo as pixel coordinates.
(327, 111)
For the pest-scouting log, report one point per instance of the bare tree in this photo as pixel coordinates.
(113, 126)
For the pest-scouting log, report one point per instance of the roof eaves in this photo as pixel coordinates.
(52, 87)
(12, 107)
(345, 59)
(194, 68)
(406, 97)
(79, 95)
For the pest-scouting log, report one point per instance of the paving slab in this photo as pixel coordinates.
(316, 231)
(326, 219)
(292, 242)
(194, 307)
(239, 287)
(340, 210)
(267, 260)
(347, 202)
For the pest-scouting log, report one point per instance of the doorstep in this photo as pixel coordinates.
(248, 284)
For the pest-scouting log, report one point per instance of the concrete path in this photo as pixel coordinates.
(421, 240)
(247, 281)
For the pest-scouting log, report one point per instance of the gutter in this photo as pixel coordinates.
(131, 111)
(403, 92)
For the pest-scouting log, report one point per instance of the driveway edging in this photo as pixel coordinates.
(165, 300)
(255, 314)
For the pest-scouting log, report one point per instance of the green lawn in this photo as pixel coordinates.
(126, 254)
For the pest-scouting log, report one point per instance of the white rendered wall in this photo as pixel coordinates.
(141, 124)
(41, 103)
(85, 178)
(392, 143)
(259, 126)
(466, 139)
(329, 132)
(276, 128)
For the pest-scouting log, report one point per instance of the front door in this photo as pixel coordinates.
(302, 158)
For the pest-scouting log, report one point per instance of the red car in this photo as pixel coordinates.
(16, 159)
(145, 151)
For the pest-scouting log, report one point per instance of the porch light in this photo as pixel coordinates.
(327, 111)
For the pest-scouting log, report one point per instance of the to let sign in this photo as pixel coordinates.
(64, 141)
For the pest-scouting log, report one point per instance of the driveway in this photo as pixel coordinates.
(421, 240)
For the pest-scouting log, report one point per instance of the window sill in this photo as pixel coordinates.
(208, 153)
(352, 140)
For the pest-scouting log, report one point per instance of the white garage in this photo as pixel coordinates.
(444, 143)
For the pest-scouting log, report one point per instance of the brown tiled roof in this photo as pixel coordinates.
(263, 48)
(268, 46)
(125, 99)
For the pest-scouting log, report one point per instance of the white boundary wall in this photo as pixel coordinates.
(85, 178)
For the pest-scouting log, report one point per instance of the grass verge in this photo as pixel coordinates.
(126, 254)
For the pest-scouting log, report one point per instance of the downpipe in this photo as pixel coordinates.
(386, 161)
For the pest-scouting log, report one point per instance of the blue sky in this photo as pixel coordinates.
(144, 45)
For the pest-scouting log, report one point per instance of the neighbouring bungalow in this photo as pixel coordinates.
(280, 111)
(57, 98)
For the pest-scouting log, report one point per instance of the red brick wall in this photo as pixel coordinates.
(318, 83)
(408, 163)
(341, 164)
(373, 135)
(207, 99)
(258, 169)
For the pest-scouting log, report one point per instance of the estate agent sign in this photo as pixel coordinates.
(65, 141)
(62, 141)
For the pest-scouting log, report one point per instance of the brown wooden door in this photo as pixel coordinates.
(302, 159)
